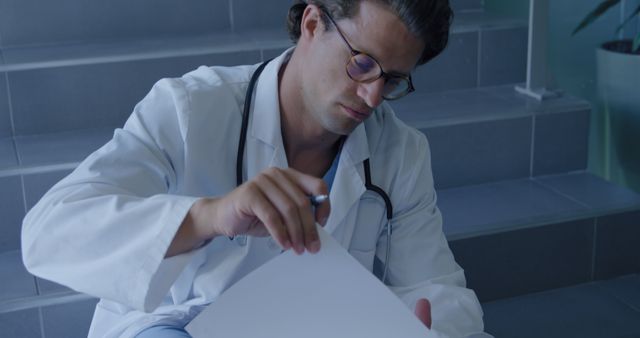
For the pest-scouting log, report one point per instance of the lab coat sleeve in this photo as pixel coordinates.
(104, 230)
(421, 264)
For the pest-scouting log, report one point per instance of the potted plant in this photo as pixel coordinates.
(618, 83)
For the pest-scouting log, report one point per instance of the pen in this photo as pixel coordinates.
(317, 199)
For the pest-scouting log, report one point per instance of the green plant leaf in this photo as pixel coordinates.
(636, 43)
(596, 13)
(635, 12)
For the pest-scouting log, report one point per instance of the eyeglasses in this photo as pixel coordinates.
(365, 69)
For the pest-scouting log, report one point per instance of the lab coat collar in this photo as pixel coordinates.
(265, 108)
(266, 113)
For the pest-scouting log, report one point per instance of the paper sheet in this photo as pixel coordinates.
(325, 295)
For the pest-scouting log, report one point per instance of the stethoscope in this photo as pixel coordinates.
(367, 169)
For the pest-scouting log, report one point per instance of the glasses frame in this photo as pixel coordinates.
(384, 74)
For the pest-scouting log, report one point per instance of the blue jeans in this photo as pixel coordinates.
(164, 331)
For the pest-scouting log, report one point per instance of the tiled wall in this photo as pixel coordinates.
(12, 203)
(44, 99)
(99, 95)
(29, 22)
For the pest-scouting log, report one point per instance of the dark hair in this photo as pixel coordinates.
(428, 19)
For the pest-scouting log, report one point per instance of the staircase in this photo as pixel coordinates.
(550, 249)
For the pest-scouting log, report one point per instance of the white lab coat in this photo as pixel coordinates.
(105, 228)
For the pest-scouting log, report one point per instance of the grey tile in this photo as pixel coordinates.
(580, 311)
(250, 14)
(8, 157)
(71, 98)
(527, 260)
(455, 68)
(12, 211)
(593, 191)
(60, 148)
(561, 142)
(21, 324)
(424, 110)
(5, 114)
(48, 287)
(31, 22)
(474, 20)
(474, 153)
(617, 245)
(269, 54)
(36, 185)
(17, 282)
(500, 206)
(626, 289)
(57, 320)
(503, 56)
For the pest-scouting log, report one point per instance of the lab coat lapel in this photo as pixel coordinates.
(264, 142)
(348, 186)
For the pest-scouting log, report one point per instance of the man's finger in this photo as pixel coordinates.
(423, 311)
(268, 215)
(276, 189)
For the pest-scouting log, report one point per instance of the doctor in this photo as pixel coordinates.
(155, 224)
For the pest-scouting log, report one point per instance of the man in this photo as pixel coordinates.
(154, 225)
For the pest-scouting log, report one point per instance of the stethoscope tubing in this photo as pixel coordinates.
(367, 168)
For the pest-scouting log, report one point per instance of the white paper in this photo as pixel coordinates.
(325, 295)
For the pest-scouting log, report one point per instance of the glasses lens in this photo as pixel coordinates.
(395, 88)
(362, 67)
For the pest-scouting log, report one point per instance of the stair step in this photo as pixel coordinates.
(495, 207)
(493, 133)
(608, 308)
(126, 69)
(534, 234)
(30, 57)
(522, 236)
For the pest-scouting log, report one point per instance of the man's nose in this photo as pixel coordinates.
(371, 92)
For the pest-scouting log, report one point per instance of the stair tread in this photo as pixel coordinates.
(484, 209)
(608, 308)
(44, 56)
(478, 104)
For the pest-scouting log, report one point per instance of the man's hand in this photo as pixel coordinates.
(275, 202)
(423, 311)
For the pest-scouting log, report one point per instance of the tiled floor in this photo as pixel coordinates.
(606, 309)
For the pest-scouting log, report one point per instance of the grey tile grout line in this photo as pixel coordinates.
(533, 144)
(479, 58)
(593, 248)
(232, 22)
(11, 119)
(24, 194)
(616, 297)
(567, 196)
(40, 169)
(41, 319)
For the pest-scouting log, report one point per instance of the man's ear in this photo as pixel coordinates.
(312, 23)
